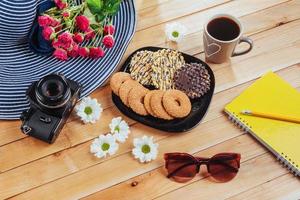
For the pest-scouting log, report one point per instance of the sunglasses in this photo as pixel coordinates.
(183, 167)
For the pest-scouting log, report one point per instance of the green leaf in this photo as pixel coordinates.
(88, 14)
(111, 7)
(100, 18)
(95, 6)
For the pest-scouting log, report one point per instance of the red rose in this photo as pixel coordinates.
(78, 38)
(48, 33)
(66, 14)
(55, 22)
(109, 29)
(96, 52)
(82, 23)
(83, 51)
(65, 39)
(56, 44)
(61, 4)
(90, 34)
(60, 54)
(74, 51)
(108, 41)
(45, 20)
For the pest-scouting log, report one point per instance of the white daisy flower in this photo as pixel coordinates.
(144, 149)
(89, 110)
(103, 145)
(175, 31)
(119, 128)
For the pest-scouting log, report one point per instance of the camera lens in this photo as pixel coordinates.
(52, 88)
(53, 91)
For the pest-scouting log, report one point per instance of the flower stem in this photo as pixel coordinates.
(62, 30)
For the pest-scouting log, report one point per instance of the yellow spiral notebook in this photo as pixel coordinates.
(271, 94)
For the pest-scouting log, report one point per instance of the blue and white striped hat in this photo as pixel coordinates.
(19, 66)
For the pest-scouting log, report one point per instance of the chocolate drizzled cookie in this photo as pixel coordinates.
(156, 68)
(140, 67)
(193, 79)
(165, 63)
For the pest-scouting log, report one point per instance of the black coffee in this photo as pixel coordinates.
(223, 28)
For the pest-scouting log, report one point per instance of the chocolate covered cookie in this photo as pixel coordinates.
(193, 79)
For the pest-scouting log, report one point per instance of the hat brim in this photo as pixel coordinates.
(19, 66)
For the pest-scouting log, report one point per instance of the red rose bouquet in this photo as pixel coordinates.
(69, 26)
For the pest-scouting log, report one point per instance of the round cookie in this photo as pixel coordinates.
(147, 103)
(193, 79)
(177, 103)
(117, 80)
(157, 105)
(136, 99)
(125, 89)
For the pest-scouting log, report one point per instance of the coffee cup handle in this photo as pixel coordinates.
(246, 40)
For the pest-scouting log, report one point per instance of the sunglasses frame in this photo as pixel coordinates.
(198, 161)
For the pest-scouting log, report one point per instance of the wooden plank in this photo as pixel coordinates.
(78, 158)
(251, 173)
(284, 187)
(10, 132)
(193, 42)
(265, 13)
(268, 19)
(29, 149)
(124, 167)
(142, 4)
(155, 183)
(151, 16)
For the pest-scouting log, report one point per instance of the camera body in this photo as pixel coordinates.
(52, 100)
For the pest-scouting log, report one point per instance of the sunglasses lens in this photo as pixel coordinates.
(223, 167)
(181, 168)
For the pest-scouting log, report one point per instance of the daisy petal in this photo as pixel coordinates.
(103, 145)
(120, 129)
(89, 110)
(175, 31)
(144, 149)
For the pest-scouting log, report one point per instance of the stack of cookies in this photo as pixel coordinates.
(162, 104)
(176, 82)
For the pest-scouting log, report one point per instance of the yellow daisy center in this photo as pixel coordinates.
(117, 129)
(88, 110)
(105, 146)
(146, 148)
(175, 34)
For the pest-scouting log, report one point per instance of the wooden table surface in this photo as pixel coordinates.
(30, 169)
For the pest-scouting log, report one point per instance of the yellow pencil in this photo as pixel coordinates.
(272, 116)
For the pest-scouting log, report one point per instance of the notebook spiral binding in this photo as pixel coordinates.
(238, 122)
(283, 159)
